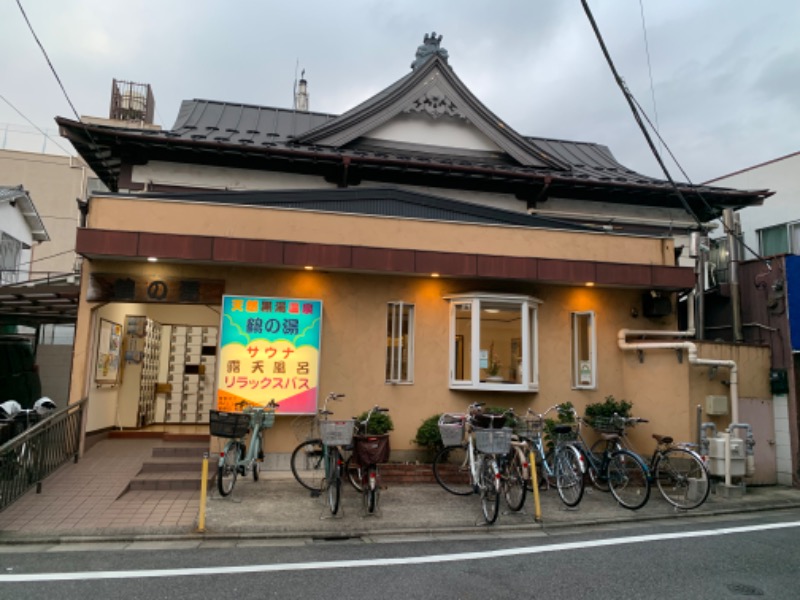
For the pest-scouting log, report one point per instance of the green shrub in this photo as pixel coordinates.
(565, 417)
(428, 435)
(607, 409)
(379, 423)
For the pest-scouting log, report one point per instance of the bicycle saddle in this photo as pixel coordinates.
(662, 439)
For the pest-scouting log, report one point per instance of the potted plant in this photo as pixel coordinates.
(494, 365)
(379, 423)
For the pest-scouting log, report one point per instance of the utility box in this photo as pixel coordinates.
(716, 405)
(778, 381)
(716, 457)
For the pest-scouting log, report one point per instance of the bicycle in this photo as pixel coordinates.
(616, 468)
(468, 463)
(236, 459)
(678, 471)
(528, 431)
(309, 460)
(369, 450)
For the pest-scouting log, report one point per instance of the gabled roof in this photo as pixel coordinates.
(340, 149)
(434, 88)
(21, 199)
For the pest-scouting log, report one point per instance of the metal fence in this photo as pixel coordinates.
(28, 458)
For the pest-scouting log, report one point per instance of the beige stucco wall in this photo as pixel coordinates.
(354, 342)
(54, 182)
(160, 216)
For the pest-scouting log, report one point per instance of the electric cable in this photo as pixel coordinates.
(635, 112)
(19, 112)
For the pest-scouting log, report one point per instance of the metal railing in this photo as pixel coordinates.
(28, 458)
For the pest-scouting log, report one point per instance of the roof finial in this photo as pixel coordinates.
(429, 47)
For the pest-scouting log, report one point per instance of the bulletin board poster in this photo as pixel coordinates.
(109, 343)
(269, 350)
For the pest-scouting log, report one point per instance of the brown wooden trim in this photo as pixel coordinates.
(167, 245)
(383, 259)
(106, 243)
(317, 255)
(446, 263)
(98, 243)
(258, 252)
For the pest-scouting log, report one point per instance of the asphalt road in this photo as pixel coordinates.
(709, 558)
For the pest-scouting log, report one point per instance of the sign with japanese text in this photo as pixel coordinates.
(269, 350)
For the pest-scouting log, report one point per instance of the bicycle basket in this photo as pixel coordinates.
(336, 433)
(493, 441)
(451, 429)
(371, 449)
(607, 424)
(529, 427)
(228, 424)
(488, 421)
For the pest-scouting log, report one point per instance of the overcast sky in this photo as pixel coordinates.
(725, 73)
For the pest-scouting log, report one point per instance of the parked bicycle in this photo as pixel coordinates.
(615, 468)
(475, 457)
(236, 458)
(676, 469)
(308, 458)
(369, 451)
(529, 440)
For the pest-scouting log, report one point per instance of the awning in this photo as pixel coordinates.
(40, 302)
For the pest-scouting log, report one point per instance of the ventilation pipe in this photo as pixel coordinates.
(691, 349)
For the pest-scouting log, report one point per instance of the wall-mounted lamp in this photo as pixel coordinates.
(434, 275)
(308, 268)
(152, 259)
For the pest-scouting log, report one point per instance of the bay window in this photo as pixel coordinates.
(493, 342)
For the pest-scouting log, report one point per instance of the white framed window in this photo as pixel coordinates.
(400, 343)
(494, 342)
(584, 356)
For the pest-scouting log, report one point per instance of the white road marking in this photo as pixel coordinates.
(387, 562)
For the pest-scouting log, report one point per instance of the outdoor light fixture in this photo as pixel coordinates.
(434, 275)
(308, 268)
(152, 259)
(590, 284)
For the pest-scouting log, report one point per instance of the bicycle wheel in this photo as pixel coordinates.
(353, 470)
(514, 488)
(682, 478)
(490, 495)
(451, 470)
(334, 480)
(597, 450)
(627, 477)
(371, 489)
(308, 466)
(228, 469)
(569, 475)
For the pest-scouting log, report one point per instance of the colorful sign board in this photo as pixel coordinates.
(269, 350)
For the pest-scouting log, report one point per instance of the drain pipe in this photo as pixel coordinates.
(691, 349)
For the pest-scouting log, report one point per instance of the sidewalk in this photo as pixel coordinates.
(87, 501)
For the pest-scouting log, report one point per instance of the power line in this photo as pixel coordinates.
(637, 111)
(628, 99)
(649, 68)
(4, 99)
(47, 58)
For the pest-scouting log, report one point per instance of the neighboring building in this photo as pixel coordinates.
(21, 228)
(40, 278)
(769, 278)
(438, 240)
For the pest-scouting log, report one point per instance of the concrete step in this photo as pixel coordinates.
(181, 450)
(172, 464)
(183, 480)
